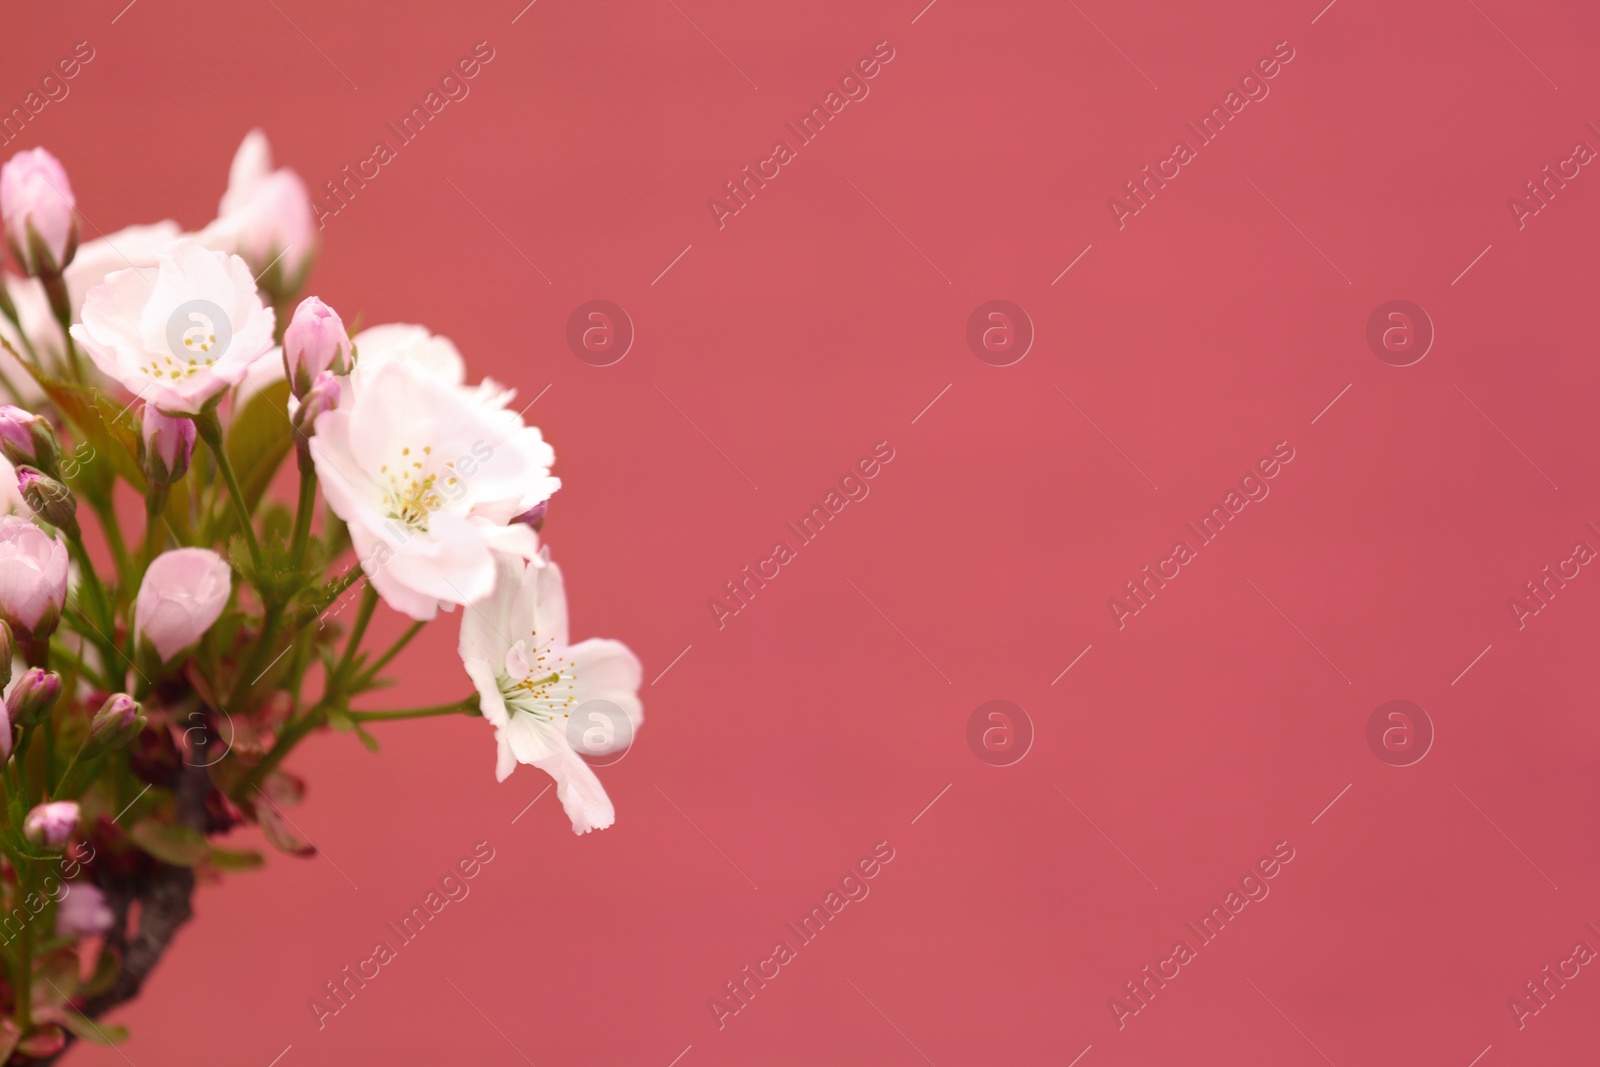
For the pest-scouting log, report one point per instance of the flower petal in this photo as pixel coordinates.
(580, 792)
(608, 670)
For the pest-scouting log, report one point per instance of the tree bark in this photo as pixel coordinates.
(165, 900)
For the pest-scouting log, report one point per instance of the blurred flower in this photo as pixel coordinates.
(11, 502)
(392, 341)
(168, 444)
(428, 482)
(180, 334)
(315, 341)
(28, 438)
(37, 328)
(265, 216)
(528, 687)
(33, 577)
(34, 331)
(130, 247)
(83, 912)
(37, 205)
(49, 499)
(51, 824)
(183, 593)
(403, 342)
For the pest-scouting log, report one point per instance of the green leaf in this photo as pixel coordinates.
(59, 972)
(366, 738)
(180, 846)
(105, 973)
(259, 436)
(107, 428)
(275, 828)
(95, 1033)
(233, 860)
(15, 844)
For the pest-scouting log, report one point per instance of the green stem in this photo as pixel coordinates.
(76, 662)
(10, 387)
(155, 502)
(20, 756)
(262, 647)
(302, 518)
(369, 602)
(65, 783)
(317, 715)
(48, 728)
(464, 706)
(114, 540)
(61, 304)
(209, 429)
(89, 579)
(333, 592)
(23, 982)
(382, 661)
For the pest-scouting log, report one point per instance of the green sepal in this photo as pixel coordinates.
(87, 1029)
(228, 859)
(181, 846)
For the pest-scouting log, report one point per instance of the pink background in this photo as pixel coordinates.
(830, 712)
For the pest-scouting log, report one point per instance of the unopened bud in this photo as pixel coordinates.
(168, 444)
(51, 824)
(33, 696)
(534, 516)
(5, 653)
(323, 396)
(116, 723)
(38, 208)
(315, 341)
(27, 438)
(50, 500)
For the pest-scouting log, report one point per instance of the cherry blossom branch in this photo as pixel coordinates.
(464, 706)
(371, 673)
(210, 430)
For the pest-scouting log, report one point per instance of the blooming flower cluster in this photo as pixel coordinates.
(153, 686)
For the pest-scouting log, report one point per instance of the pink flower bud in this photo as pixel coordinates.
(83, 912)
(49, 499)
(168, 444)
(31, 699)
(114, 725)
(37, 205)
(183, 593)
(266, 216)
(51, 824)
(323, 396)
(535, 515)
(5, 654)
(28, 438)
(115, 715)
(33, 577)
(315, 341)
